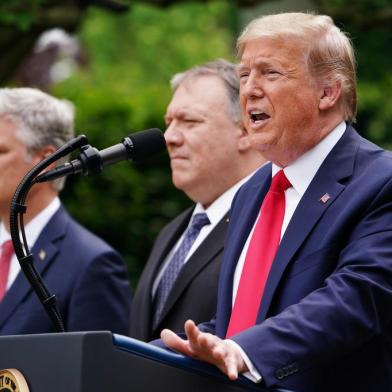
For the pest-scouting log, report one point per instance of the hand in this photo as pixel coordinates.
(206, 347)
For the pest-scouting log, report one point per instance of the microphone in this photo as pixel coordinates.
(136, 147)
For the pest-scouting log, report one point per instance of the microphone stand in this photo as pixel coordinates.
(18, 208)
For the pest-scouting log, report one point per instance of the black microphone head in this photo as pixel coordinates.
(147, 143)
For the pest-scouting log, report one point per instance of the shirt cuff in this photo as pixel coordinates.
(252, 374)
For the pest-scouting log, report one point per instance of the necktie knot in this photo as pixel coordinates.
(199, 220)
(279, 182)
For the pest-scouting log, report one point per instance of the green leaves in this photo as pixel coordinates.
(20, 13)
(125, 88)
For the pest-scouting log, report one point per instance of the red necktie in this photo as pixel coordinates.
(7, 250)
(261, 253)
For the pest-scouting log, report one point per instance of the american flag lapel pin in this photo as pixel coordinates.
(42, 255)
(324, 199)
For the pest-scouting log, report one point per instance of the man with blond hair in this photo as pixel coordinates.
(305, 290)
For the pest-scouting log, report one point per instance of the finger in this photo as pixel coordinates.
(191, 330)
(174, 342)
(209, 342)
(232, 369)
(193, 333)
(213, 350)
(218, 352)
(229, 359)
(234, 362)
(231, 365)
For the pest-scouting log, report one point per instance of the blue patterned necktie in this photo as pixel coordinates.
(176, 262)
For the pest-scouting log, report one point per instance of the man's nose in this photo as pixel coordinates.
(252, 87)
(173, 134)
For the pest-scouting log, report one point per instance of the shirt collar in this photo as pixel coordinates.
(35, 226)
(222, 204)
(301, 172)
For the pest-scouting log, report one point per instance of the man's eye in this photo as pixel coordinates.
(272, 72)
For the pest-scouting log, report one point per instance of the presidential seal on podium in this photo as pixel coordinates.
(12, 380)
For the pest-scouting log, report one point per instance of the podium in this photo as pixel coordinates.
(105, 362)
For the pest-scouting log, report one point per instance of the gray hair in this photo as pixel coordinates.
(224, 70)
(41, 119)
(329, 52)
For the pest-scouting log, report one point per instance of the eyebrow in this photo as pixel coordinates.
(259, 63)
(240, 66)
(187, 112)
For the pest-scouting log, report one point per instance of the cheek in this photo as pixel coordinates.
(301, 108)
(242, 102)
(243, 110)
(204, 159)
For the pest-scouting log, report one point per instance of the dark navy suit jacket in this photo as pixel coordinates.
(87, 276)
(325, 321)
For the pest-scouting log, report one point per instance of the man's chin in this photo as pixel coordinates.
(261, 143)
(180, 182)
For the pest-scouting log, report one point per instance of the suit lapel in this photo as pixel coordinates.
(164, 244)
(246, 209)
(203, 255)
(328, 180)
(44, 252)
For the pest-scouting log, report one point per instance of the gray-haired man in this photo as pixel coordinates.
(210, 159)
(88, 277)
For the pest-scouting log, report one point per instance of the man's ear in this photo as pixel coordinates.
(43, 153)
(330, 94)
(244, 139)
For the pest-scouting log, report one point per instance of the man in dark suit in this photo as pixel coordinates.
(318, 316)
(210, 158)
(87, 276)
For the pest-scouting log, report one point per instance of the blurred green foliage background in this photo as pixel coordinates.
(124, 87)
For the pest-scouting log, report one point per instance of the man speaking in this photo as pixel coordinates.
(305, 293)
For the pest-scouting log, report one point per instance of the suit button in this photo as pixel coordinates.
(291, 369)
(279, 374)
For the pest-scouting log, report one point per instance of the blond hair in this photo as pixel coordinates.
(329, 53)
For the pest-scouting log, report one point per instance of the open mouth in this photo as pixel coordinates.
(257, 116)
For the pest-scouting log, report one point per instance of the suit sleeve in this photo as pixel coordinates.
(351, 307)
(208, 326)
(101, 296)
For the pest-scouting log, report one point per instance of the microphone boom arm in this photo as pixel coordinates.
(136, 146)
(25, 258)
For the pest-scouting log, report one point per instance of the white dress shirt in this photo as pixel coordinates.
(300, 174)
(215, 212)
(33, 230)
